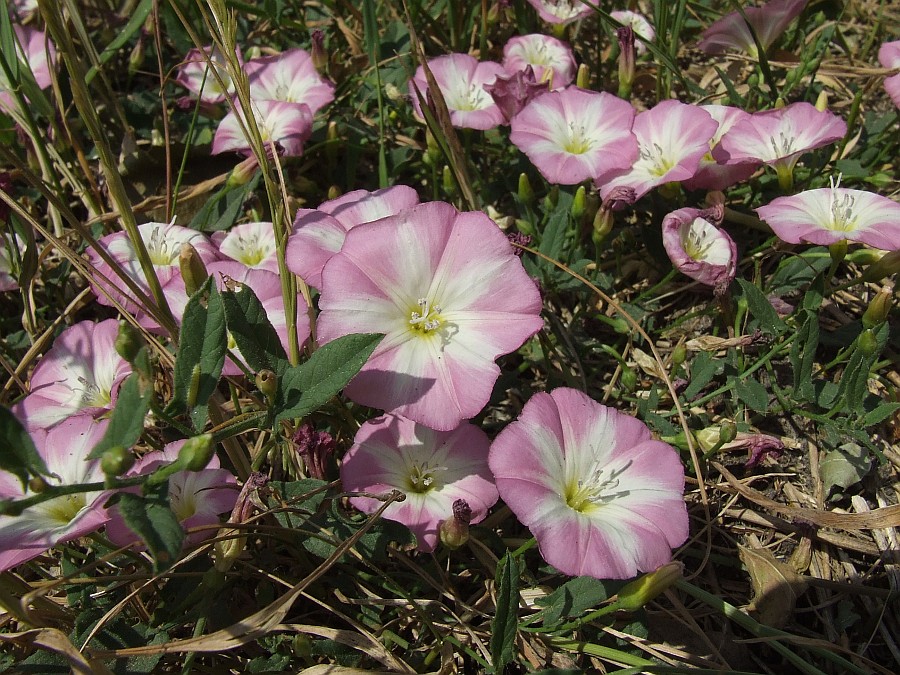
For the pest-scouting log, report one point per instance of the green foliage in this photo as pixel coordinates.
(150, 517)
(18, 455)
(127, 421)
(505, 623)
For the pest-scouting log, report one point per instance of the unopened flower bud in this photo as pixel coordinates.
(642, 590)
(318, 53)
(432, 149)
(525, 193)
(629, 378)
(455, 530)
(583, 78)
(448, 182)
(193, 271)
(727, 432)
(888, 264)
(625, 36)
(822, 101)
(867, 342)
(708, 438)
(37, 484)
(334, 192)
(779, 103)
(243, 173)
(578, 203)
(128, 342)
(196, 453)
(136, 57)
(877, 311)
(267, 383)
(116, 461)
(679, 355)
(332, 143)
(229, 547)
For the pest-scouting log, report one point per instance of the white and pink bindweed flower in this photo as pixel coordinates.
(287, 125)
(432, 468)
(829, 215)
(36, 53)
(698, 248)
(551, 59)
(574, 135)
(672, 139)
(779, 137)
(640, 26)
(64, 449)
(600, 495)
(290, 77)
(889, 57)
(768, 21)
(81, 373)
(561, 11)
(449, 294)
(712, 175)
(197, 498)
(251, 244)
(319, 233)
(461, 79)
(197, 73)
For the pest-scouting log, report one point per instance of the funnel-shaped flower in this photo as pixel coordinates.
(252, 244)
(81, 373)
(889, 57)
(601, 497)
(196, 74)
(461, 79)
(432, 468)
(288, 125)
(561, 11)
(672, 138)
(319, 233)
(450, 296)
(713, 175)
(550, 58)
(290, 77)
(573, 135)
(64, 450)
(828, 215)
(698, 248)
(768, 22)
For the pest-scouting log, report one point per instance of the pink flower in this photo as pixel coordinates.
(698, 248)
(672, 138)
(713, 175)
(163, 242)
(196, 74)
(11, 250)
(64, 450)
(778, 137)
(551, 59)
(639, 25)
(81, 373)
(829, 215)
(288, 125)
(196, 497)
(37, 53)
(889, 57)
(319, 233)
(573, 135)
(601, 497)
(251, 244)
(561, 11)
(450, 296)
(432, 468)
(768, 21)
(290, 77)
(461, 79)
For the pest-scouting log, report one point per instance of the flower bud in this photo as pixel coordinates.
(727, 432)
(432, 149)
(318, 53)
(128, 342)
(822, 101)
(37, 484)
(583, 78)
(877, 311)
(193, 271)
(196, 453)
(867, 342)
(679, 355)
(526, 194)
(448, 182)
(625, 36)
(267, 383)
(243, 173)
(629, 378)
(887, 265)
(116, 461)
(708, 438)
(642, 590)
(136, 57)
(455, 530)
(578, 203)
(334, 192)
(332, 144)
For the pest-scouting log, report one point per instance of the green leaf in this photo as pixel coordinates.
(880, 413)
(127, 420)
(138, 17)
(761, 309)
(252, 331)
(303, 497)
(803, 354)
(305, 388)
(201, 353)
(18, 455)
(505, 621)
(574, 597)
(843, 467)
(753, 394)
(703, 369)
(222, 209)
(153, 521)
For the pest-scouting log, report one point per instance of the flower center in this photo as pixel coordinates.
(598, 489)
(659, 165)
(577, 140)
(92, 395)
(162, 252)
(472, 97)
(694, 240)
(563, 9)
(253, 250)
(426, 318)
(422, 479)
(62, 510)
(841, 207)
(783, 145)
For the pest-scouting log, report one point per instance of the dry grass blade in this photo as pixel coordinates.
(54, 640)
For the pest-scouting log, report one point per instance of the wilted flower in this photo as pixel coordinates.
(447, 309)
(551, 59)
(82, 372)
(573, 135)
(561, 11)
(639, 24)
(461, 79)
(319, 233)
(315, 447)
(252, 244)
(196, 74)
(196, 497)
(601, 497)
(829, 215)
(64, 450)
(513, 93)
(672, 138)
(433, 469)
(889, 57)
(768, 22)
(288, 125)
(698, 248)
(290, 77)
